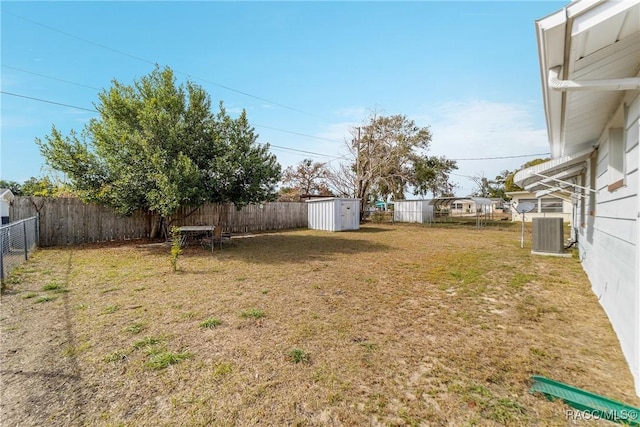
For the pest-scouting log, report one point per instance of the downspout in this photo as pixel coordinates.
(628, 83)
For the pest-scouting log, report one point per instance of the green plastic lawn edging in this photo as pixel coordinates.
(596, 406)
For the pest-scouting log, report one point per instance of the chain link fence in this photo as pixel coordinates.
(17, 241)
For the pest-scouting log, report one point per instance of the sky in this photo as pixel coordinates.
(305, 72)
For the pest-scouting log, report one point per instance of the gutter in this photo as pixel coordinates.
(628, 83)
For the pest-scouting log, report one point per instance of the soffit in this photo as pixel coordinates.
(604, 44)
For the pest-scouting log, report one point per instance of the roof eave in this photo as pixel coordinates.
(549, 27)
(561, 36)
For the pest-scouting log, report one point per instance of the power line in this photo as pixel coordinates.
(91, 87)
(296, 133)
(146, 61)
(49, 77)
(299, 151)
(48, 102)
(462, 176)
(96, 111)
(502, 157)
(279, 130)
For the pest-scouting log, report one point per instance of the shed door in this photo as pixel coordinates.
(346, 217)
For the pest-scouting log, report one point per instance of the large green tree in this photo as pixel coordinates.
(431, 175)
(157, 145)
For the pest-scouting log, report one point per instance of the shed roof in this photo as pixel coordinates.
(6, 194)
(447, 201)
(325, 199)
(482, 201)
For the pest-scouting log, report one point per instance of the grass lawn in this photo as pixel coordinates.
(388, 325)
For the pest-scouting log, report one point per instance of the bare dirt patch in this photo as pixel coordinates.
(389, 325)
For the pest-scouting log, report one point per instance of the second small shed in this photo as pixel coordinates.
(334, 214)
(420, 211)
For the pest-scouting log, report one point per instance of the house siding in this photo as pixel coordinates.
(566, 213)
(608, 241)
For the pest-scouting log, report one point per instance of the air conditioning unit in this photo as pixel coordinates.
(548, 235)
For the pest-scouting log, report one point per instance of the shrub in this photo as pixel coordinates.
(176, 248)
(381, 216)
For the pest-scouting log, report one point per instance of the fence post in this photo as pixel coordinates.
(38, 229)
(24, 235)
(1, 257)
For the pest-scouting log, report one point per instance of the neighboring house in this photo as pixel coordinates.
(6, 197)
(589, 56)
(463, 206)
(460, 206)
(548, 206)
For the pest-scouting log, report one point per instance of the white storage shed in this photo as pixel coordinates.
(6, 197)
(334, 214)
(420, 211)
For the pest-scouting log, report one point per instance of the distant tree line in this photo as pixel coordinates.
(42, 187)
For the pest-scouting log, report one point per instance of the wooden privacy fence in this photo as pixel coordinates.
(251, 218)
(68, 221)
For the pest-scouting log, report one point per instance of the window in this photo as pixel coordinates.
(583, 202)
(551, 205)
(616, 159)
(593, 172)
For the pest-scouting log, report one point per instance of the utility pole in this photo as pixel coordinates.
(358, 175)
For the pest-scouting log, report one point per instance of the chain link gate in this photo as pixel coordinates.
(17, 241)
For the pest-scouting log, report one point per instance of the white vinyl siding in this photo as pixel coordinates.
(616, 158)
(608, 241)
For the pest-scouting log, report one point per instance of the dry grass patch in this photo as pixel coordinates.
(389, 325)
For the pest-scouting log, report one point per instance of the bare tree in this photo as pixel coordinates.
(306, 178)
(342, 180)
(482, 185)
